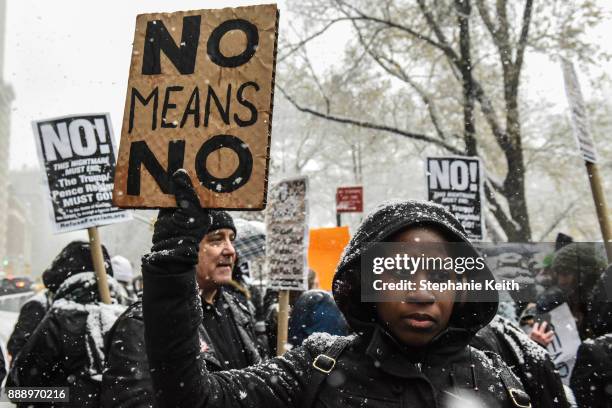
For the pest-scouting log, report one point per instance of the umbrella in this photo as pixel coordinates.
(250, 240)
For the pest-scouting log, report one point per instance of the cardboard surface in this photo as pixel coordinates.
(287, 235)
(201, 86)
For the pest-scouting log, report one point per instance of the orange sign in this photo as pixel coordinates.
(324, 251)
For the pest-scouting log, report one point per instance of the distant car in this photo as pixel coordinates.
(16, 284)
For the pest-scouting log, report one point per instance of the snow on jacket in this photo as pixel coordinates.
(67, 348)
(374, 370)
(592, 375)
(126, 381)
(30, 315)
(527, 359)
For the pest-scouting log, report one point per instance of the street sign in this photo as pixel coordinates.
(349, 199)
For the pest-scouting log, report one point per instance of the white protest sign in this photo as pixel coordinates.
(456, 182)
(580, 122)
(565, 343)
(77, 154)
(287, 235)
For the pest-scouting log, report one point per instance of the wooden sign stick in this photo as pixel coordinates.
(98, 262)
(283, 322)
(600, 206)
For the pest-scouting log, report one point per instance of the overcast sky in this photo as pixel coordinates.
(72, 56)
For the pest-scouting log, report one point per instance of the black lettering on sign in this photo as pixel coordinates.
(239, 178)
(247, 104)
(167, 105)
(252, 35)
(193, 110)
(225, 113)
(141, 154)
(158, 39)
(145, 101)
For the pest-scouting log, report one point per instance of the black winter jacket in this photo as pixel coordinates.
(126, 381)
(374, 370)
(591, 378)
(528, 360)
(30, 315)
(2, 367)
(66, 349)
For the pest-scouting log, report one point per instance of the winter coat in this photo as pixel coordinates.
(2, 366)
(598, 319)
(67, 347)
(591, 378)
(315, 312)
(373, 370)
(527, 359)
(30, 315)
(126, 381)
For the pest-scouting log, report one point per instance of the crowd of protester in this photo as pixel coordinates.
(197, 332)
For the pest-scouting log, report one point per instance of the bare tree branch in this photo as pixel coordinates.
(295, 47)
(399, 73)
(560, 217)
(362, 16)
(369, 125)
(522, 42)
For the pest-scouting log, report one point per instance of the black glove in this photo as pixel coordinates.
(178, 231)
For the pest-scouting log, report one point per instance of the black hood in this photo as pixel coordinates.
(74, 258)
(378, 226)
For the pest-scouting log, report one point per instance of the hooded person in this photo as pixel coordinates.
(74, 258)
(528, 360)
(412, 353)
(578, 268)
(315, 312)
(226, 334)
(124, 274)
(591, 378)
(66, 349)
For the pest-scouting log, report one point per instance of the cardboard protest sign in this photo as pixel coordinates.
(349, 199)
(287, 235)
(324, 251)
(456, 182)
(200, 96)
(580, 123)
(77, 154)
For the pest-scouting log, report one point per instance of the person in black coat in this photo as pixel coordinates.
(30, 315)
(528, 360)
(315, 312)
(411, 353)
(591, 378)
(74, 258)
(2, 367)
(226, 336)
(126, 381)
(66, 349)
